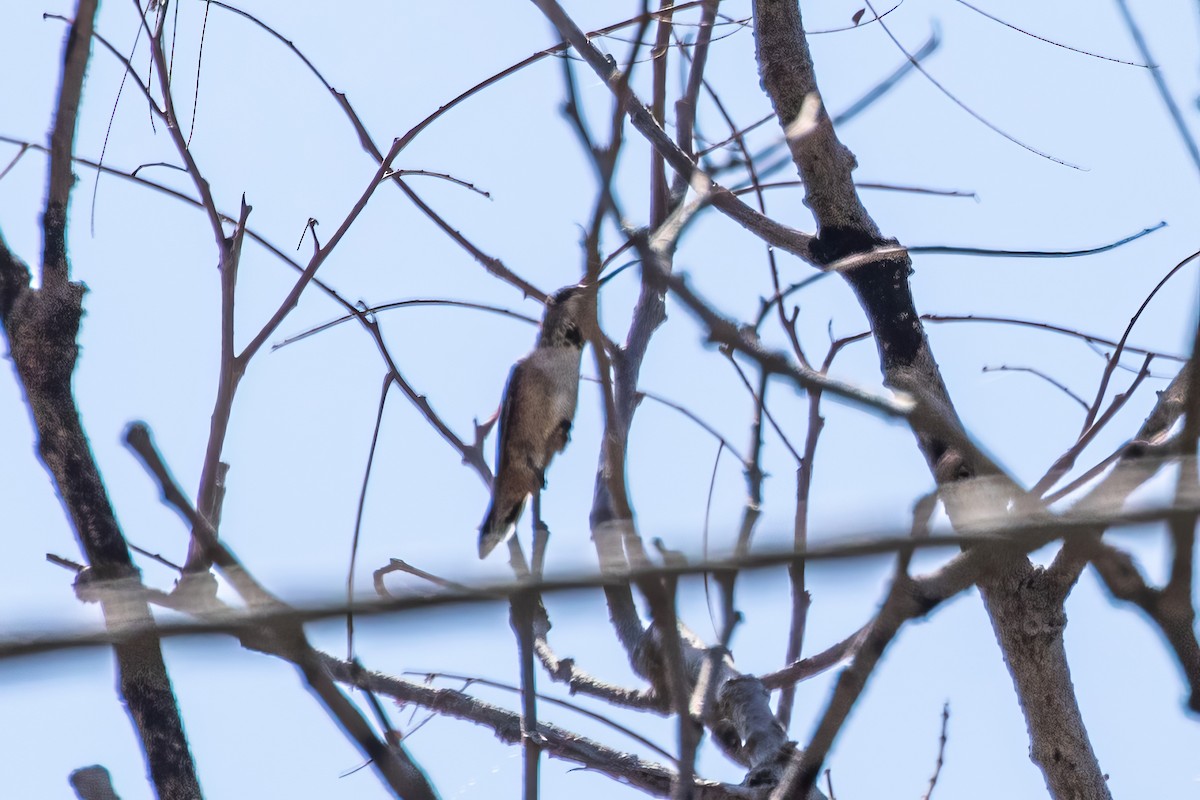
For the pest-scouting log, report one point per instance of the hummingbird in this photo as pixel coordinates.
(536, 413)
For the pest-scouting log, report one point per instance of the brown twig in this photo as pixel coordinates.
(62, 144)
(1115, 358)
(397, 304)
(1066, 461)
(555, 701)
(900, 605)
(649, 777)
(799, 671)
(781, 236)
(1057, 384)
(403, 567)
(801, 599)
(941, 755)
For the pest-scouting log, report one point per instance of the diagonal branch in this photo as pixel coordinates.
(1016, 598)
(770, 231)
(392, 762)
(41, 326)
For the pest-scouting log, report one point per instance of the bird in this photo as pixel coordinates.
(536, 413)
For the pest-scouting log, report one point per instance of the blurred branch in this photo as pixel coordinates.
(1160, 84)
(92, 783)
(880, 89)
(1174, 617)
(956, 575)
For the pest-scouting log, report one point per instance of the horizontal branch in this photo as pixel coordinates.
(652, 778)
(962, 571)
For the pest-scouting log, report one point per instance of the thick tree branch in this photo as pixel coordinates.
(1028, 622)
(41, 326)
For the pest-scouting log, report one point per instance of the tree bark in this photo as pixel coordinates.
(1026, 613)
(41, 326)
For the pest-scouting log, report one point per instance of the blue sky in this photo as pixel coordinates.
(302, 423)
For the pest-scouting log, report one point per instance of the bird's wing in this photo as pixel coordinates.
(511, 388)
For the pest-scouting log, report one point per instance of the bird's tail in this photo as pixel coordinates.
(498, 524)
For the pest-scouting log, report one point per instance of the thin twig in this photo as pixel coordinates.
(801, 599)
(941, 755)
(1057, 384)
(414, 303)
(1066, 461)
(782, 236)
(362, 502)
(1115, 358)
(1160, 83)
(1032, 35)
(393, 764)
(954, 99)
(545, 698)
(1090, 338)
(941, 249)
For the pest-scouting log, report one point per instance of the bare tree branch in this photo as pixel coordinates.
(395, 767)
(42, 326)
(1012, 594)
